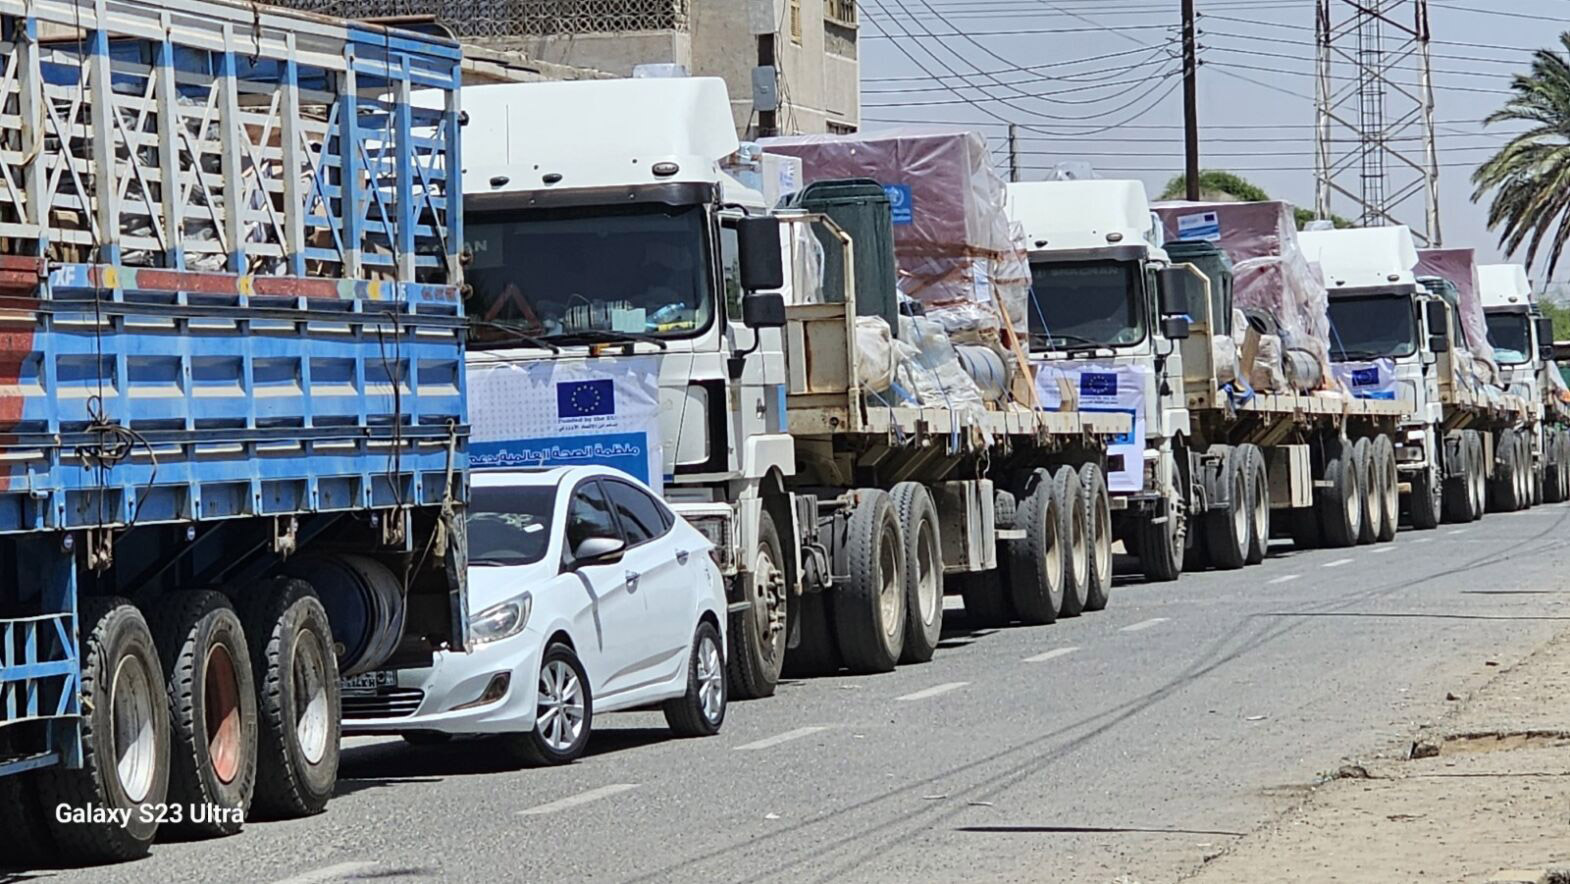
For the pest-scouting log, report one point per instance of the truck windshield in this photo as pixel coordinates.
(585, 271)
(1372, 327)
(1510, 336)
(510, 526)
(1086, 303)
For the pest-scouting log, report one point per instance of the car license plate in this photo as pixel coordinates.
(368, 684)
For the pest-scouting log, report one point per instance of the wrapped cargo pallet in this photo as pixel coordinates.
(1458, 267)
(953, 244)
(1280, 292)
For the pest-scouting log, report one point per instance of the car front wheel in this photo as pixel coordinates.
(563, 712)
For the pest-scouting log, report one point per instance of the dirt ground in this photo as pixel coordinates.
(1481, 795)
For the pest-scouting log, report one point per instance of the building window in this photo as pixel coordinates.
(838, 128)
(842, 12)
(795, 21)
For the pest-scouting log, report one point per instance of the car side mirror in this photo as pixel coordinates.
(763, 310)
(758, 244)
(1437, 316)
(598, 551)
(1174, 328)
(1545, 337)
(1172, 291)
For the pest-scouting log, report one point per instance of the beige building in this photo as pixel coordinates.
(814, 44)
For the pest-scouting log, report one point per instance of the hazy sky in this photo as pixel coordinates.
(1098, 81)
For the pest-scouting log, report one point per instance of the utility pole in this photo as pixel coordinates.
(1013, 152)
(1190, 103)
(768, 122)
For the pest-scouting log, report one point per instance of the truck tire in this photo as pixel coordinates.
(1479, 475)
(1504, 489)
(1036, 561)
(1426, 503)
(815, 654)
(1528, 496)
(701, 711)
(1227, 531)
(125, 739)
(1074, 522)
(1098, 510)
(1557, 477)
(212, 709)
(24, 820)
(1304, 523)
(1163, 544)
(296, 675)
(757, 642)
(1384, 454)
(1259, 503)
(1459, 489)
(869, 611)
(1341, 503)
(923, 572)
(1368, 493)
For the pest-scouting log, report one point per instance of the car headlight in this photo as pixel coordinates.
(501, 621)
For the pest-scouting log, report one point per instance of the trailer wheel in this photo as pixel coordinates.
(23, 818)
(212, 708)
(296, 674)
(1534, 489)
(869, 611)
(1459, 489)
(1341, 504)
(1163, 544)
(1504, 489)
(1074, 521)
(757, 635)
(1227, 527)
(1368, 490)
(1098, 509)
(1036, 561)
(1384, 454)
(1479, 475)
(125, 739)
(923, 572)
(1555, 475)
(1258, 503)
(1427, 500)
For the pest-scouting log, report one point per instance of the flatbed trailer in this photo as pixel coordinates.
(233, 433)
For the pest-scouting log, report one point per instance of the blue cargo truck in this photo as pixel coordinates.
(232, 407)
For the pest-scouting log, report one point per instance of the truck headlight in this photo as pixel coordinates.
(501, 621)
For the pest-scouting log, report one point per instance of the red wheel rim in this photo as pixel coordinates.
(221, 695)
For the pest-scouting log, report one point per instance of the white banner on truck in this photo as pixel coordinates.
(536, 413)
(1105, 387)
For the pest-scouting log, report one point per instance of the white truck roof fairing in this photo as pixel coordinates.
(1363, 257)
(1077, 215)
(596, 133)
(1503, 286)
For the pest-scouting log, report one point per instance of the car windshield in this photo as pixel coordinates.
(1086, 304)
(587, 273)
(1510, 336)
(510, 526)
(1372, 327)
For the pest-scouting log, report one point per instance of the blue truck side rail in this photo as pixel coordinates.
(228, 297)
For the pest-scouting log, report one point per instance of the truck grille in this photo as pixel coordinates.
(393, 704)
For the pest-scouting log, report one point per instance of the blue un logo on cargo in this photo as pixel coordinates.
(586, 399)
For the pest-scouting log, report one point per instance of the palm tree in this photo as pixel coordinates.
(1531, 174)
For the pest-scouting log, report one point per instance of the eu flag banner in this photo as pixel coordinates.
(543, 412)
(1104, 387)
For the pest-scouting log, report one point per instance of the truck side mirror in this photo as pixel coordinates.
(1174, 328)
(1437, 317)
(763, 310)
(1172, 291)
(758, 245)
(1545, 337)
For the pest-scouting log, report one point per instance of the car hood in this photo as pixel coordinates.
(493, 584)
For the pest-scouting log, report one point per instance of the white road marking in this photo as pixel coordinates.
(1143, 624)
(1050, 655)
(782, 738)
(1338, 563)
(1421, 539)
(1286, 578)
(1457, 531)
(1383, 549)
(934, 691)
(580, 798)
(337, 872)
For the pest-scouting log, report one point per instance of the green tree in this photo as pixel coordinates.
(1530, 175)
(1224, 184)
(1560, 316)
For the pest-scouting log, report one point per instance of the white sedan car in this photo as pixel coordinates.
(587, 595)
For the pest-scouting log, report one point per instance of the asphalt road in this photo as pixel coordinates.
(1124, 745)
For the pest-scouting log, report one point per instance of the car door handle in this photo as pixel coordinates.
(681, 557)
(632, 581)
